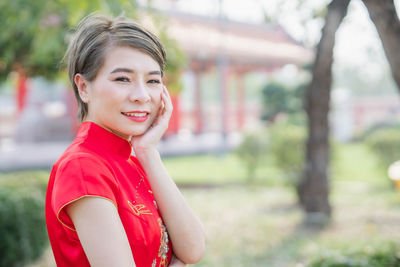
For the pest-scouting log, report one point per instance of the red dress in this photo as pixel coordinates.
(99, 163)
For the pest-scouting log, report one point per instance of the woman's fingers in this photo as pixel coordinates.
(159, 126)
(168, 97)
(167, 100)
(165, 109)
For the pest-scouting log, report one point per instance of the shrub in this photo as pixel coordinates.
(253, 147)
(282, 98)
(377, 127)
(386, 255)
(287, 148)
(385, 144)
(23, 235)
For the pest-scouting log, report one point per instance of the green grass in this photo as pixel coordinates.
(204, 169)
(259, 224)
(24, 179)
(262, 226)
(355, 162)
(213, 169)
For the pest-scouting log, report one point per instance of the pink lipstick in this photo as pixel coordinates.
(136, 116)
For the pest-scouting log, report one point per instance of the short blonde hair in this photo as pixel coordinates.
(94, 35)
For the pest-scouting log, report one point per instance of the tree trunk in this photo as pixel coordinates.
(313, 190)
(383, 14)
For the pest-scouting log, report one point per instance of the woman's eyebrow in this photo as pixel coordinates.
(122, 70)
(155, 72)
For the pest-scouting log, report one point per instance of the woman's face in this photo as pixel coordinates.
(125, 96)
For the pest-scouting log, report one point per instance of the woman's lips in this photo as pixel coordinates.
(136, 116)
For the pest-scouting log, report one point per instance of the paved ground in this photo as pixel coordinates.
(24, 156)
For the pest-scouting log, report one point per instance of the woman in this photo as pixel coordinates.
(105, 207)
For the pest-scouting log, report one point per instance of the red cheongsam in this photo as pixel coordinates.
(99, 163)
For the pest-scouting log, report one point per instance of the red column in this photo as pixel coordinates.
(241, 100)
(224, 77)
(198, 107)
(22, 91)
(225, 100)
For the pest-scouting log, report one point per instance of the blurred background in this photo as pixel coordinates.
(286, 119)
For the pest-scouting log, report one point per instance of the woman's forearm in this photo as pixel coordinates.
(184, 228)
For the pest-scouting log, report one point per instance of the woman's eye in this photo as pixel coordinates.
(154, 81)
(122, 79)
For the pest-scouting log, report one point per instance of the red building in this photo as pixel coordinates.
(228, 51)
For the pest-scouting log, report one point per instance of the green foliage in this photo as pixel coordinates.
(385, 144)
(281, 98)
(274, 96)
(35, 36)
(23, 235)
(78, 9)
(24, 27)
(387, 256)
(283, 143)
(377, 127)
(252, 149)
(287, 148)
(176, 59)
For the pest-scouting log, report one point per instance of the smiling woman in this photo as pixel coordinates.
(128, 84)
(104, 206)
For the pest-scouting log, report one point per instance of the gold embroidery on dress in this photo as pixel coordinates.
(163, 250)
(154, 263)
(139, 209)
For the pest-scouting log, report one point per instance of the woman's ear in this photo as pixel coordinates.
(82, 84)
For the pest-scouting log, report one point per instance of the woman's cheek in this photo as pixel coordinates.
(157, 98)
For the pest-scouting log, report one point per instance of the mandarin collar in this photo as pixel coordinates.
(103, 139)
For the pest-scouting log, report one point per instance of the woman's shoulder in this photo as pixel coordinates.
(85, 167)
(80, 156)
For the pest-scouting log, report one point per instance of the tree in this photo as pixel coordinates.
(281, 98)
(29, 31)
(275, 98)
(33, 40)
(383, 15)
(314, 187)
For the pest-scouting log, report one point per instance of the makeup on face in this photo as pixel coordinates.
(126, 94)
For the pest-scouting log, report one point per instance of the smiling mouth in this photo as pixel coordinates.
(137, 117)
(135, 114)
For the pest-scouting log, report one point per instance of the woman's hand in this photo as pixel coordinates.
(184, 228)
(152, 136)
(175, 262)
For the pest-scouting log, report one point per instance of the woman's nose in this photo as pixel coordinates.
(139, 93)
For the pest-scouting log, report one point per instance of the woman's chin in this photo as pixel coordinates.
(128, 133)
(132, 130)
(136, 132)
